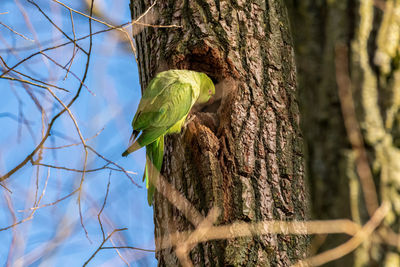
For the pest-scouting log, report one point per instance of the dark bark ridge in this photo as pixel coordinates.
(246, 158)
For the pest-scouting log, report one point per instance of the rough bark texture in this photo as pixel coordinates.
(244, 153)
(371, 31)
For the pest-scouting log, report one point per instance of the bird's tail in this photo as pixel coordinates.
(154, 159)
(135, 146)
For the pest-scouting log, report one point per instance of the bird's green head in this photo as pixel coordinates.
(207, 88)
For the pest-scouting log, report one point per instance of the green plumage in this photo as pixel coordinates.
(163, 109)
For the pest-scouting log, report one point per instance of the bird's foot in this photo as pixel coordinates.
(188, 120)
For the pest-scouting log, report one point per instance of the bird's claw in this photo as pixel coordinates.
(188, 120)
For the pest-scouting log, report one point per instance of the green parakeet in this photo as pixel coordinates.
(164, 106)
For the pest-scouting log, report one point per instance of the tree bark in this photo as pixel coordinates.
(244, 153)
(370, 31)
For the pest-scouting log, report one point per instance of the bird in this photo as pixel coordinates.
(162, 110)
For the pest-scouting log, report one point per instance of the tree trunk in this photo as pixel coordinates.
(243, 153)
(370, 31)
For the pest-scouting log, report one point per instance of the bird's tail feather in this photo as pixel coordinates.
(154, 159)
(146, 138)
(132, 148)
(135, 133)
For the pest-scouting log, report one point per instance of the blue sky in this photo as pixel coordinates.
(54, 236)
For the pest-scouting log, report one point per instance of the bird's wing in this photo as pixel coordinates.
(163, 112)
(170, 106)
(156, 87)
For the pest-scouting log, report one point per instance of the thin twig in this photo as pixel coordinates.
(30, 216)
(243, 229)
(73, 74)
(102, 207)
(73, 50)
(102, 243)
(14, 240)
(351, 244)
(5, 187)
(127, 24)
(115, 164)
(75, 144)
(25, 81)
(30, 77)
(17, 33)
(75, 170)
(54, 202)
(185, 246)
(58, 28)
(119, 253)
(83, 140)
(54, 119)
(118, 27)
(178, 200)
(129, 247)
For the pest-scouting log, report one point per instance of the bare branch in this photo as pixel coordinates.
(102, 243)
(58, 28)
(352, 244)
(353, 129)
(102, 207)
(17, 33)
(54, 119)
(129, 247)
